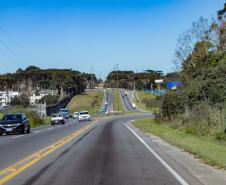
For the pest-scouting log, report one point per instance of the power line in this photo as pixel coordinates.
(16, 42)
(12, 51)
(10, 58)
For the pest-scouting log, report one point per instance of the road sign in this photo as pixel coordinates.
(159, 81)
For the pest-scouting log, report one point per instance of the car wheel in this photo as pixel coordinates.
(22, 131)
(7, 133)
(28, 129)
(63, 122)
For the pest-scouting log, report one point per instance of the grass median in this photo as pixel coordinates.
(203, 147)
(89, 101)
(117, 101)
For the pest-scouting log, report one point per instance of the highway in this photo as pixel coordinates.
(108, 153)
(105, 151)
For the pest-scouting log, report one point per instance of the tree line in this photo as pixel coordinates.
(34, 79)
(129, 79)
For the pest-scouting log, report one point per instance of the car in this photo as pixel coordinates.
(84, 116)
(76, 115)
(57, 118)
(65, 113)
(103, 110)
(14, 123)
(133, 105)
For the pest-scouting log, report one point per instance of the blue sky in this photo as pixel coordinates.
(96, 35)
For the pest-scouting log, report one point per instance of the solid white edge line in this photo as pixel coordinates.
(169, 168)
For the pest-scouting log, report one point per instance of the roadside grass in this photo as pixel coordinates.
(89, 101)
(1, 115)
(117, 101)
(146, 101)
(203, 147)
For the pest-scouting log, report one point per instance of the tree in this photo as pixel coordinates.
(21, 100)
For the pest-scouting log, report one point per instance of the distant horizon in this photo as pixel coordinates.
(93, 36)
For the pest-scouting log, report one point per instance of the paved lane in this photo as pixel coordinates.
(127, 102)
(15, 147)
(109, 99)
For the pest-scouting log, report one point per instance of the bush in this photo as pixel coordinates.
(203, 119)
(49, 99)
(172, 105)
(34, 119)
(21, 100)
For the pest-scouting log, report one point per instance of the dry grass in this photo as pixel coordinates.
(89, 101)
(143, 99)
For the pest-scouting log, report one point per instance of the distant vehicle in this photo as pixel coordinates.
(14, 123)
(84, 116)
(57, 118)
(103, 110)
(75, 115)
(65, 113)
(104, 90)
(125, 93)
(133, 105)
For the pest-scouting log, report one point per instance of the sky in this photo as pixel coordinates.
(95, 35)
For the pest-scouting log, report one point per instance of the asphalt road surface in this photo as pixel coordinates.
(108, 153)
(109, 99)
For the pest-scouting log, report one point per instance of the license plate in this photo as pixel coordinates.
(8, 130)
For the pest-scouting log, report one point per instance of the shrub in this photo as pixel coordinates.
(34, 119)
(172, 105)
(21, 100)
(49, 99)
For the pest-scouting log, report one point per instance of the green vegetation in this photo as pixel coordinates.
(147, 101)
(49, 99)
(117, 101)
(90, 101)
(208, 149)
(127, 79)
(21, 100)
(31, 79)
(198, 107)
(1, 115)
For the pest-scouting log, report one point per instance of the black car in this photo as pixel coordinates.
(13, 123)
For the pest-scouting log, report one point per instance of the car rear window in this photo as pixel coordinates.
(82, 113)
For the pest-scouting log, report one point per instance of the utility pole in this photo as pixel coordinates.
(117, 86)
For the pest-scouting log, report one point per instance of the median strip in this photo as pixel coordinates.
(16, 168)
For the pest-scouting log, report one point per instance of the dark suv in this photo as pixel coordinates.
(15, 122)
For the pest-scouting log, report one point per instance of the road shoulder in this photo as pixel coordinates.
(183, 162)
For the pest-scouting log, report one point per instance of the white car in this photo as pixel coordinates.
(76, 115)
(84, 116)
(57, 118)
(133, 105)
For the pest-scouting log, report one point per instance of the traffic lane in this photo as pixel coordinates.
(5, 137)
(16, 147)
(127, 103)
(109, 98)
(108, 154)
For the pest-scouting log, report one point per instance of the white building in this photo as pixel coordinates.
(5, 97)
(34, 98)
